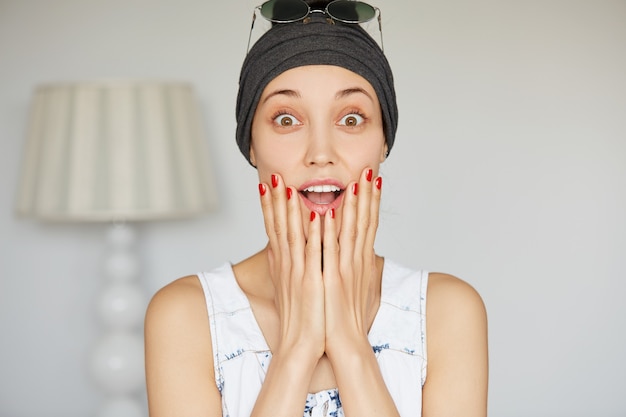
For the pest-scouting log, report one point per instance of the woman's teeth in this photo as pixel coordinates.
(322, 194)
(322, 189)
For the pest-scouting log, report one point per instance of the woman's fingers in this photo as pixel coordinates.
(374, 211)
(357, 218)
(355, 238)
(330, 245)
(349, 229)
(295, 267)
(369, 257)
(356, 258)
(279, 215)
(283, 226)
(266, 208)
(312, 296)
(294, 234)
(313, 252)
(268, 220)
(364, 202)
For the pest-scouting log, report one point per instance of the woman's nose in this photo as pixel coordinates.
(321, 149)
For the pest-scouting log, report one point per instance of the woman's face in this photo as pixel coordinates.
(318, 127)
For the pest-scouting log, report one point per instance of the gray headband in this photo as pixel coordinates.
(291, 45)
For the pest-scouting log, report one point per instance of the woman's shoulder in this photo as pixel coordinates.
(181, 301)
(455, 312)
(447, 293)
(180, 288)
(179, 353)
(186, 295)
(456, 323)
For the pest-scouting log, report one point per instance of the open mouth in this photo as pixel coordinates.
(322, 194)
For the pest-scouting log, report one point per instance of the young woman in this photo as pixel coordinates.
(316, 323)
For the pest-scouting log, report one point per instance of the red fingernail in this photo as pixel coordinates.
(332, 213)
(312, 215)
(355, 188)
(274, 181)
(379, 182)
(289, 193)
(368, 175)
(262, 189)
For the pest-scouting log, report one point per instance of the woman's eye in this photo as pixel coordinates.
(286, 120)
(351, 120)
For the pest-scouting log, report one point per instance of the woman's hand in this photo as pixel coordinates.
(295, 267)
(325, 306)
(350, 272)
(351, 277)
(295, 271)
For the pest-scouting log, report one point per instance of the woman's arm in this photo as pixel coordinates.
(179, 359)
(456, 332)
(351, 275)
(295, 270)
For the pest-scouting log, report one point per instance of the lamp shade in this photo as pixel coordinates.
(115, 150)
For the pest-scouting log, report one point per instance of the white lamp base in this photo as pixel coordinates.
(117, 360)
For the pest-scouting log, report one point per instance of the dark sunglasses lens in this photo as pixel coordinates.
(284, 10)
(351, 11)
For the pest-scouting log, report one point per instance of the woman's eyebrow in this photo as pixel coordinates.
(353, 90)
(286, 92)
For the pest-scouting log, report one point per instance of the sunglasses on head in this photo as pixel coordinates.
(291, 11)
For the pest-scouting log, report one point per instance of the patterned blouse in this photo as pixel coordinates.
(242, 356)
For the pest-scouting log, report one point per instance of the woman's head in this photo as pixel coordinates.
(319, 127)
(320, 41)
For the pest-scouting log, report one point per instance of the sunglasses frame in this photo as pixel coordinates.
(332, 18)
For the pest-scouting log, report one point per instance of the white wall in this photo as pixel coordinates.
(509, 171)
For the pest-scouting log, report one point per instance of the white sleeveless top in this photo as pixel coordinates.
(241, 355)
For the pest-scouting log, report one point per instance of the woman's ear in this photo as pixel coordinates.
(384, 153)
(252, 157)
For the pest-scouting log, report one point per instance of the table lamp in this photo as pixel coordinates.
(116, 152)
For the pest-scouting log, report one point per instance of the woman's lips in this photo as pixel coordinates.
(321, 197)
(322, 194)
